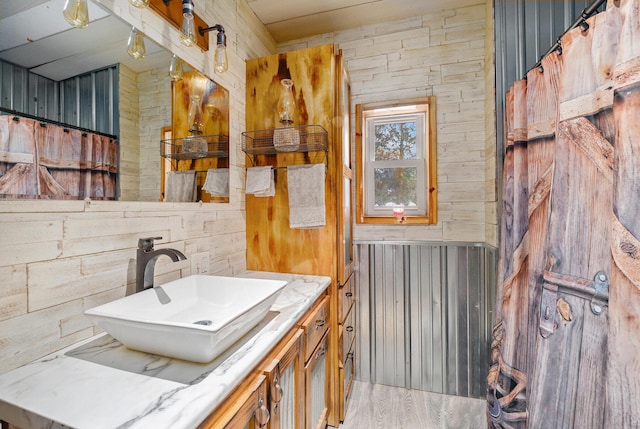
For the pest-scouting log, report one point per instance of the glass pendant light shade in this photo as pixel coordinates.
(175, 69)
(221, 64)
(188, 30)
(139, 3)
(135, 46)
(76, 12)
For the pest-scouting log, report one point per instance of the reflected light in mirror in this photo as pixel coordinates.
(141, 4)
(175, 68)
(135, 46)
(76, 12)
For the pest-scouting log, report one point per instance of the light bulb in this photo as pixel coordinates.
(175, 69)
(188, 30)
(76, 13)
(135, 46)
(139, 3)
(220, 62)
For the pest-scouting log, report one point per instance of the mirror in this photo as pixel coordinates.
(35, 37)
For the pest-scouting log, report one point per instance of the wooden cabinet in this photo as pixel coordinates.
(285, 378)
(316, 334)
(246, 408)
(316, 387)
(289, 387)
(346, 343)
(321, 92)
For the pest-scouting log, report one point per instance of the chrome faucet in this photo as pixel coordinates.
(146, 257)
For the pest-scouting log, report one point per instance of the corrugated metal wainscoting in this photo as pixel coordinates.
(425, 315)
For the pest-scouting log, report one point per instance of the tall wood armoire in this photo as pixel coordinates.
(321, 122)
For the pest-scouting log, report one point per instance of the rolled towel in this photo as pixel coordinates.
(306, 196)
(180, 186)
(286, 139)
(217, 182)
(260, 181)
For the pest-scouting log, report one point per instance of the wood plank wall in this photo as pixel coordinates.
(442, 54)
(89, 251)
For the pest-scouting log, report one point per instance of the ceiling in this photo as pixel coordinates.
(294, 19)
(34, 34)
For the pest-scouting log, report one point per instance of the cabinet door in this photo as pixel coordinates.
(247, 410)
(285, 379)
(316, 386)
(345, 177)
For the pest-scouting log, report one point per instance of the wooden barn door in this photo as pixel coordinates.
(566, 346)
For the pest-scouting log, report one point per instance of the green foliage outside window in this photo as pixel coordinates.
(395, 186)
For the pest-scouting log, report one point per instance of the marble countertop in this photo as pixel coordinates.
(98, 383)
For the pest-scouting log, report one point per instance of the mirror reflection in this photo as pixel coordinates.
(98, 116)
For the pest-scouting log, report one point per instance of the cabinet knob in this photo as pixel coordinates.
(320, 323)
(276, 392)
(262, 414)
(349, 328)
(320, 353)
(349, 294)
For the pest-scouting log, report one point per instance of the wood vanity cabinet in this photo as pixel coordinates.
(321, 92)
(245, 408)
(285, 379)
(316, 332)
(289, 388)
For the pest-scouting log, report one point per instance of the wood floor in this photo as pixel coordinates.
(373, 406)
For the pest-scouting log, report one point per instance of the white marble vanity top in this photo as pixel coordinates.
(98, 383)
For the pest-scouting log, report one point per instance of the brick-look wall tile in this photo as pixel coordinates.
(440, 54)
(59, 258)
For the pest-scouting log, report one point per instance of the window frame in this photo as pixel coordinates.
(427, 190)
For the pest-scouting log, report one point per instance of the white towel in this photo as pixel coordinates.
(306, 196)
(180, 186)
(260, 181)
(217, 182)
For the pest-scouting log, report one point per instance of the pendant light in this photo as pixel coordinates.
(135, 46)
(220, 61)
(175, 68)
(76, 12)
(188, 30)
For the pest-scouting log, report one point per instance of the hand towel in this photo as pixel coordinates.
(180, 186)
(260, 181)
(306, 196)
(217, 182)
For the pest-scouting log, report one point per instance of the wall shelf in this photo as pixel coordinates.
(295, 139)
(195, 147)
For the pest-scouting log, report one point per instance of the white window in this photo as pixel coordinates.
(397, 163)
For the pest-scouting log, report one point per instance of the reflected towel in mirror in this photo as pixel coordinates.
(180, 187)
(306, 196)
(260, 181)
(217, 182)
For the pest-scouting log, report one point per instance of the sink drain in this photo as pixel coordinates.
(203, 322)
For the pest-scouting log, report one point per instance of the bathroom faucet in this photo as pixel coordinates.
(146, 257)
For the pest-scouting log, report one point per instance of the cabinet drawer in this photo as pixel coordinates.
(348, 332)
(346, 296)
(315, 325)
(346, 372)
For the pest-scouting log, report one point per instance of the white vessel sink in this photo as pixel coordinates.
(205, 315)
